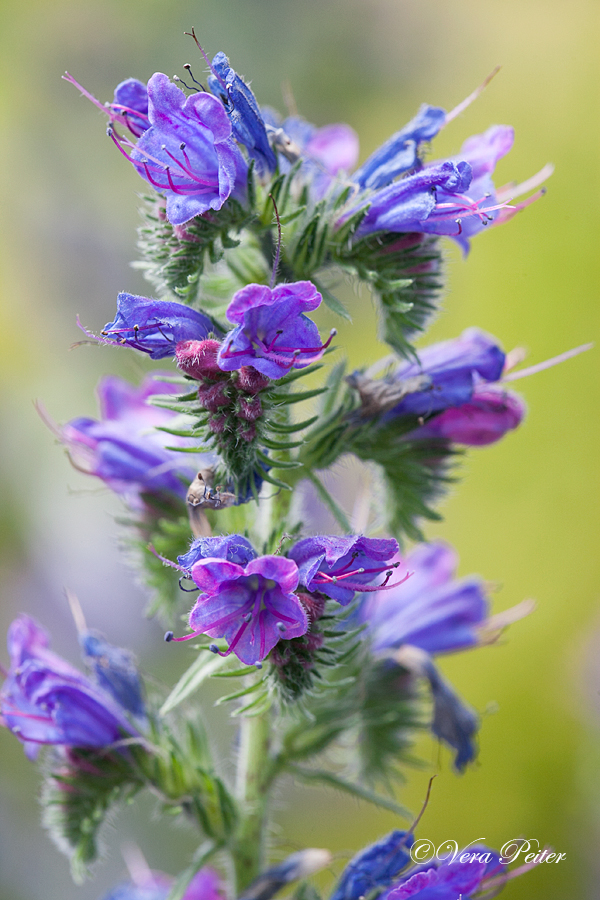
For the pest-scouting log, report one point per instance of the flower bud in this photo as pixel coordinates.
(250, 410)
(198, 358)
(213, 396)
(251, 381)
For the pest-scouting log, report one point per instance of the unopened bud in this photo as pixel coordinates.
(250, 409)
(213, 396)
(198, 358)
(251, 380)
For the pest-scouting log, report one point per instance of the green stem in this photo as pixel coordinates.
(254, 776)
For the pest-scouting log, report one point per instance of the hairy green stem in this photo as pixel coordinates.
(254, 776)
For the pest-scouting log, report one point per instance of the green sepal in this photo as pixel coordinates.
(281, 399)
(285, 428)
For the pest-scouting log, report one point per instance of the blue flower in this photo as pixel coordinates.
(399, 154)
(154, 326)
(45, 700)
(188, 152)
(205, 885)
(340, 566)
(452, 879)
(130, 105)
(452, 370)
(245, 117)
(374, 867)
(233, 547)
(115, 670)
(431, 610)
(273, 335)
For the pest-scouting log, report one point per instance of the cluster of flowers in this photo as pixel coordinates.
(204, 152)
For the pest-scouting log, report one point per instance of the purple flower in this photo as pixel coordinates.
(485, 419)
(45, 700)
(454, 368)
(205, 885)
(115, 670)
(251, 606)
(130, 105)
(272, 332)
(374, 867)
(125, 448)
(432, 610)
(188, 152)
(406, 205)
(450, 880)
(154, 326)
(399, 154)
(340, 566)
(245, 117)
(233, 547)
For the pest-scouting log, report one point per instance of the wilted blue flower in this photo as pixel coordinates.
(251, 606)
(115, 670)
(273, 335)
(296, 866)
(374, 867)
(485, 419)
(453, 368)
(399, 154)
(432, 610)
(45, 700)
(340, 566)
(154, 326)
(205, 885)
(188, 153)
(125, 448)
(245, 116)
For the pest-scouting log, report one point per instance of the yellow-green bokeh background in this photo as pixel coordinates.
(526, 514)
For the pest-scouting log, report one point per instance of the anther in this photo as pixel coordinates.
(169, 636)
(280, 627)
(258, 665)
(213, 648)
(248, 618)
(182, 145)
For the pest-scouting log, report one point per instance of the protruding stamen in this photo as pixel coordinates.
(192, 34)
(167, 562)
(188, 68)
(468, 100)
(169, 636)
(547, 364)
(281, 627)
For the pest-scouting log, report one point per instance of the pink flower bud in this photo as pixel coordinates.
(250, 409)
(251, 381)
(198, 358)
(213, 396)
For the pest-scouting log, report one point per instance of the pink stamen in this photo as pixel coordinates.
(547, 364)
(170, 563)
(69, 78)
(468, 100)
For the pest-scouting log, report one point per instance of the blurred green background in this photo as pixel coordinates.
(526, 513)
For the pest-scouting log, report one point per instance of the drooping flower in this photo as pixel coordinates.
(486, 418)
(272, 333)
(340, 566)
(45, 700)
(188, 152)
(154, 326)
(125, 447)
(374, 867)
(243, 111)
(252, 606)
(205, 885)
